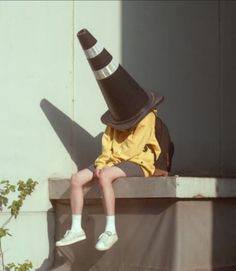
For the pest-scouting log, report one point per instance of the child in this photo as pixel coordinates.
(129, 145)
(126, 153)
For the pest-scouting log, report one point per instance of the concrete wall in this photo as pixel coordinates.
(186, 50)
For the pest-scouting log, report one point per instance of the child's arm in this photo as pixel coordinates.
(100, 162)
(137, 140)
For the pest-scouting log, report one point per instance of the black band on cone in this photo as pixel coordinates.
(100, 61)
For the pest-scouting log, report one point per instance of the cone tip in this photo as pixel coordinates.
(82, 32)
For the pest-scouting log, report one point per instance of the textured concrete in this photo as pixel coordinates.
(161, 187)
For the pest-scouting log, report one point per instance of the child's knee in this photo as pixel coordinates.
(75, 180)
(105, 178)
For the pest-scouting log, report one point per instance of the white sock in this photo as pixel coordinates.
(110, 224)
(76, 223)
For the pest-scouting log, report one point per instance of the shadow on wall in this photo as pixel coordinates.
(80, 255)
(224, 211)
(48, 262)
(223, 234)
(173, 47)
(186, 49)
(82, 147)
(134, 218)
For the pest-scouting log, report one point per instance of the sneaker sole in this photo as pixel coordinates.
(70, 242)
(103, 249)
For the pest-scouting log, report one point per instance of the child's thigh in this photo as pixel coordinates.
(112, 173)
(82, 177)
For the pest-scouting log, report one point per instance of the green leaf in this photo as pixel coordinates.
(26, 266)
(25, 189)
(4, 232)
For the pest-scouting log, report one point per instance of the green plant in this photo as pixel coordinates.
(23, 189)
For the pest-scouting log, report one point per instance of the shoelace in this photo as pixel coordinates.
(105, 236)
(67, 232)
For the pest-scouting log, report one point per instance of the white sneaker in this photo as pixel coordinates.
(106, 240)
(71, 237)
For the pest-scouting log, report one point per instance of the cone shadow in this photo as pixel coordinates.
(82, 147)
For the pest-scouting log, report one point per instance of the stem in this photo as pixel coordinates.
(2, 256)
(7, 221)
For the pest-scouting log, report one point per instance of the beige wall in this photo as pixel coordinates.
(42, 88)
(102, 19)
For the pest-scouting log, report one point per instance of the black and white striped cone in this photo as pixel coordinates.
(127, 102)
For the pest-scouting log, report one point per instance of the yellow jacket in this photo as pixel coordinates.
(138, 145)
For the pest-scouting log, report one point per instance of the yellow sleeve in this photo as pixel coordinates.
(136, 141)
(100, 162)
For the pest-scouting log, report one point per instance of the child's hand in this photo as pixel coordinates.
(97, 173)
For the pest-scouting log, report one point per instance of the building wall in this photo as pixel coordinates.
(36, 55)
(51, 104)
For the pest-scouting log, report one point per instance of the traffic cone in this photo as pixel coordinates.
(127, 102)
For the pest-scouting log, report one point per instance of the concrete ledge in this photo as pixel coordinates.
(153, 187)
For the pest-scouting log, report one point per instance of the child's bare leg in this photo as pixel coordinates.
(76, 233)
(107, 239)
(106, 177)
(78, 180)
